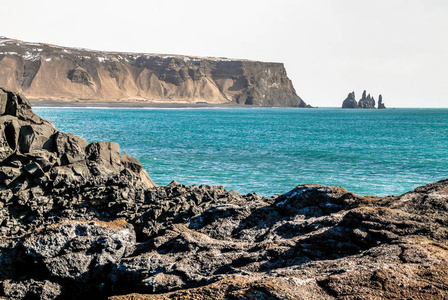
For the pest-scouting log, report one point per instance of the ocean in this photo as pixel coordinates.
(271, 150)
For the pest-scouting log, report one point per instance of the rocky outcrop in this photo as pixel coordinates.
(80, 220)
(350, 101)
(48, 72)
(380, 103)
(366, 101)
(43, 171)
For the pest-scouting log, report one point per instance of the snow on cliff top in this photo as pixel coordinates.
(33, 50)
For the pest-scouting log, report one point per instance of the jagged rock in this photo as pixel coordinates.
(350, 101)
(78, 250)
(62, 167)
(80, 221)
(31, 289)
(380, 103)
(366, 101)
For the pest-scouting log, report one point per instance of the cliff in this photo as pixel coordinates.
(80, 220)
(48, 72)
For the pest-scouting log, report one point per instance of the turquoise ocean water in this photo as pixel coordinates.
(270, 151)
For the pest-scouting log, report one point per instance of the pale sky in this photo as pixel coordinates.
(397, 48)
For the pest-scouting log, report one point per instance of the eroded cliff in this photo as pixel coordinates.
(48, 72)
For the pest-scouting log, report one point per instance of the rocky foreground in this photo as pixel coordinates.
(79, 220)
(49, 72)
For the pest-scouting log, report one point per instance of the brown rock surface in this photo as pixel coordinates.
(48, 72)
(79, 221)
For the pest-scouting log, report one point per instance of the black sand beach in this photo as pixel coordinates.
(112, 104)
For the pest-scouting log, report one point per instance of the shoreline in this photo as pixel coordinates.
(112, 104)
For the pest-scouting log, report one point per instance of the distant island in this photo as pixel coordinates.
(366, 101)
(48, 72)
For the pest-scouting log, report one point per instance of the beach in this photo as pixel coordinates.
(131, 104)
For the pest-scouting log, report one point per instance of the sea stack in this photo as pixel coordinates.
(350, 101)
(366, 101)
(380, 103)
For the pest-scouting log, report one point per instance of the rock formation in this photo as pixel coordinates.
(80, 220)
(350, 101)
(48, 72)
(380, 103)
(366, 101)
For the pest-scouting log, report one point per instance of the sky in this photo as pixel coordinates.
(397, 48)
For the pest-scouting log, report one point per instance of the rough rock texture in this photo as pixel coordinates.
(80, 221)
(44, 171)
(42, 71)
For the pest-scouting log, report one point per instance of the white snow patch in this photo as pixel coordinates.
(34, 44)
(31, 56)
(107, 58)
(9, 53)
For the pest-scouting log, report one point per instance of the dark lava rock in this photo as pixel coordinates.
(380, 103)
(47, 175)
(366, 101)
(80, 220)
(350, 101)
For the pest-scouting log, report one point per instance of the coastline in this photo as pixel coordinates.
(137, 104)
(111, 104)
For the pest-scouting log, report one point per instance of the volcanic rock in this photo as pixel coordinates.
(350, 101)
(49, 72)
(79, 220)
(380, 103)
(366, 101)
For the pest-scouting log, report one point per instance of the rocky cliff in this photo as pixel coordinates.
(48, 72)
(80, 220)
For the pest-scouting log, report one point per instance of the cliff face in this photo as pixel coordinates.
(42, 71)
(81, 221)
